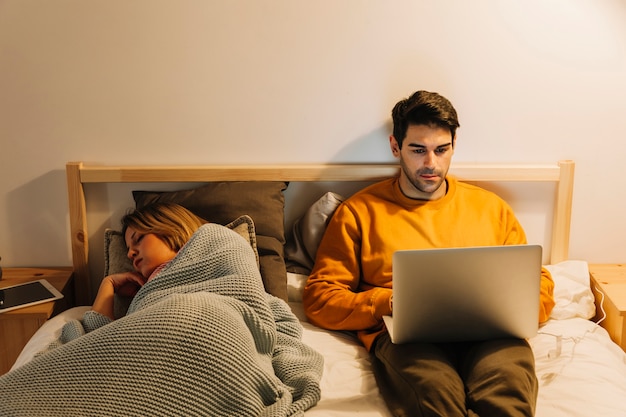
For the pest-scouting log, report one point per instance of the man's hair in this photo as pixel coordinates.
(172, 223)
(423, 108)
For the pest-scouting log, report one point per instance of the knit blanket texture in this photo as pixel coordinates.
(202, 338)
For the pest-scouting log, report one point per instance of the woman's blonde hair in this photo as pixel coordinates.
(172, 223)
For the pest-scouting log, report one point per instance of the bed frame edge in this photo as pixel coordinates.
(78, 174)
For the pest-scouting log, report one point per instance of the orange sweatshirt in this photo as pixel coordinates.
(350, 285)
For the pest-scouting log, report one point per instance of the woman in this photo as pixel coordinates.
(201, 336)
(153, 236)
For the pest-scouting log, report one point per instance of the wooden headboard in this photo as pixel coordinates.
(79, 174)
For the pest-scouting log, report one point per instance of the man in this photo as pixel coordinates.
(350, 285)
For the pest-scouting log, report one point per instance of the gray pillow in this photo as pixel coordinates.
(308, 230)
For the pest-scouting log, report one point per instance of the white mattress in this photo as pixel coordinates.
(581, 371)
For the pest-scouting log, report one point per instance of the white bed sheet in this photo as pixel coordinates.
(586, 378)
(581, 371)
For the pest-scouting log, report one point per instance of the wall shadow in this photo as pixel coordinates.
(38, 220)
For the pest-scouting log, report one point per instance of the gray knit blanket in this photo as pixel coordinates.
(202, 338)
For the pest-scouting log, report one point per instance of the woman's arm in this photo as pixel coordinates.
(124, 284)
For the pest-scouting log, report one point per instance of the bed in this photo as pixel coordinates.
(581, 371)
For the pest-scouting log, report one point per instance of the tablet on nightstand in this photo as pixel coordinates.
(27, 294)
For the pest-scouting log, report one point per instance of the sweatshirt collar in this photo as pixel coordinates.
(451, 183)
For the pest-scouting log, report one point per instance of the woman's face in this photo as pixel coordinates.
(147, 251)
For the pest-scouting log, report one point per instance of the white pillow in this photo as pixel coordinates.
(572, 292)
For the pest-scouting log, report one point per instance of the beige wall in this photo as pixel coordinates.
(239, 81)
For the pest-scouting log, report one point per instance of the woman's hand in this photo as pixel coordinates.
(125, 284)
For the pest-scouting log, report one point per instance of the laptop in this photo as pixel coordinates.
(465, 294)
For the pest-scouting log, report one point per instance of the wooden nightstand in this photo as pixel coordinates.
(610, 279)
(18, 326)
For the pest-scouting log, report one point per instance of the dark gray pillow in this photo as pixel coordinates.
(220, 202)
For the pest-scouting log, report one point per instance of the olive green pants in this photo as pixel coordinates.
(493, 378)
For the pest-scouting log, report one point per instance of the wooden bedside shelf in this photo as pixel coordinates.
(18, 326)
(610, 280)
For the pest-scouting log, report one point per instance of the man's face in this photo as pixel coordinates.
(425, 159)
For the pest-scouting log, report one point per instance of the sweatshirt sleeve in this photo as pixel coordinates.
(546, 297)
(333, 296)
